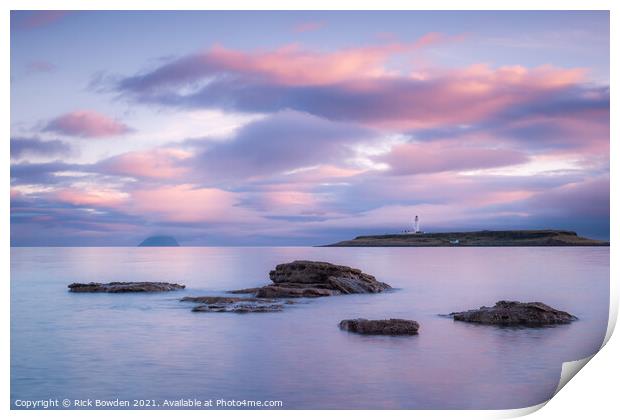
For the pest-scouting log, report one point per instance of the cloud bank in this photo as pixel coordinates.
(347, 141)
(86, 123)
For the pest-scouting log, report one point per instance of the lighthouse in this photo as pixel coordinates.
(416, 225)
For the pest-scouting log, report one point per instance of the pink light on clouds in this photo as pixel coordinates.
(86, 123)
(40, 66)
(339, 133)
(437, 38)
(462, 96)
(157, 164)
(93, 196)
(291, 65)
(439, 157)
(279, 200)
(545, 77)
(322, 173)
(499, 197)
(288, 65)
(38, 18)
(308, 26)
(355, 84)
(187, 203)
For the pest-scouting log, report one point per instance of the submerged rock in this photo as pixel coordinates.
(124, 287)
(234, 304)
(289, 290)
(380, 326)
(222, 299)
(316, 279)
(515, 313)
(249, 290)
(239, 307)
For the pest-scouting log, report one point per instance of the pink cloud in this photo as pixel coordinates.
(280, 200)
(439, 157)
(40, 66)
(437, 38)
(91, 196)
(460, 96)
(38, 18)
(322, 173)
(85, 123)
(188, 203)
(308, 26)
(502, 197)
(183, 203)
(359, 84)
(289, 65)
(157, 164)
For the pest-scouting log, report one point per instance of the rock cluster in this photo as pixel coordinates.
(124, 287)
(303, 279)
(316, 279)
(299, 279)
(515, 313)
(380, 326)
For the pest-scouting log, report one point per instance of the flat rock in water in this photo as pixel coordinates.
(515, 313)
(286, 290)
(316, 279)
(380, 326)
(224, 299)
(124, 287)
(234, 304)
(239, 307)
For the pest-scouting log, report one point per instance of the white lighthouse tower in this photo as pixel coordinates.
(416, 225)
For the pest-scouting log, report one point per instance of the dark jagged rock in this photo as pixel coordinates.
(515, 313)
(380, 326)
(330, 276)
(316, 279)
(124, 287)
(234, 304)
(159, 241)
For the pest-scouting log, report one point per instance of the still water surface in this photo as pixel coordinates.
(151, 346)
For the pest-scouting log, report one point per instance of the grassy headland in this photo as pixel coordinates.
(480, 238)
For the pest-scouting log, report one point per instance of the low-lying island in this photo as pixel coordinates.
(547, 237)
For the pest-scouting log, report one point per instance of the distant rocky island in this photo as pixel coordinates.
(159, 241)
(548, 237)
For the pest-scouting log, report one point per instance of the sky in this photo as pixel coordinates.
(305, 128)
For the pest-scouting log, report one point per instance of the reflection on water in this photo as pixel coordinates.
(152, 346)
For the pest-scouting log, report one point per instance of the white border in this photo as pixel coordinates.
(595, 386)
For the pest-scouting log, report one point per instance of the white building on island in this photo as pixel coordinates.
(416, 228)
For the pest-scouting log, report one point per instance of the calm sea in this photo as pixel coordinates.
(151, 346)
